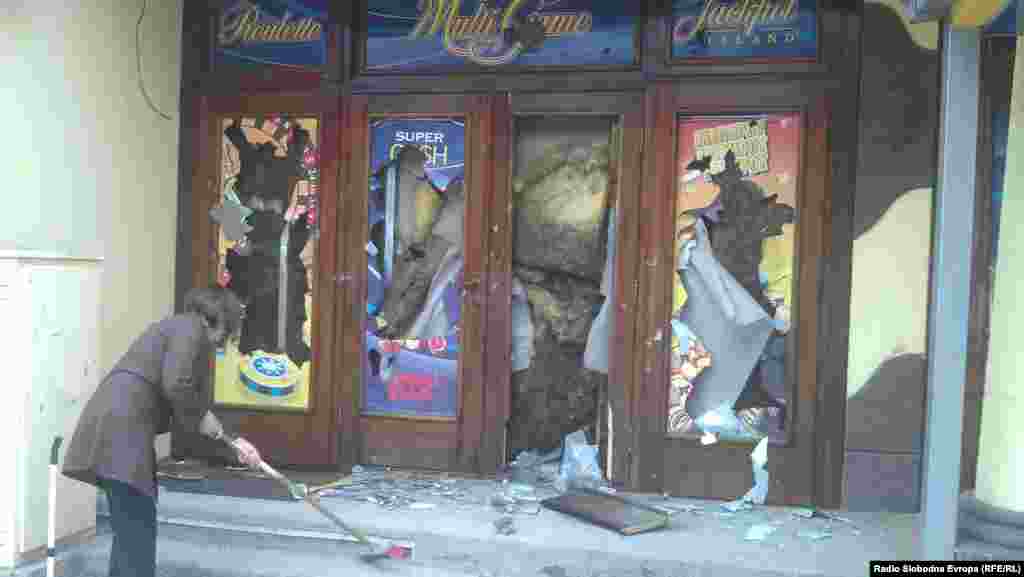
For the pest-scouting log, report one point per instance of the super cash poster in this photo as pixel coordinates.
(767, 150)
(414, 373)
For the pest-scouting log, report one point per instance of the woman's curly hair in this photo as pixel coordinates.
(219, 306)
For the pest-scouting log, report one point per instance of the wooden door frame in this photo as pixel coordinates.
(273, 432)
(477, 446)
(655, 454)
(628, 107)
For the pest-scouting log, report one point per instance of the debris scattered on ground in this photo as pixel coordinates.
(532, 468)
(534, 481)
(759, 532)
(676, 509)
(737, 506)
(504, 504)
(815, 535)
(505, 526)
(805, 513)
(396, 490)
(554, 571)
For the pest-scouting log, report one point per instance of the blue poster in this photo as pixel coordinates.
(289, 33)
(417, 373)
(442, 140)
(411, 35)
(712, 29)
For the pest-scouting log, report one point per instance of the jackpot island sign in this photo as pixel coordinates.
(273, 32)
(406, 35)
(706, 29)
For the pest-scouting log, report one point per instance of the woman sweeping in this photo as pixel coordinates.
(164, 376)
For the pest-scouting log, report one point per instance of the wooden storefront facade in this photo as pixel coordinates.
(645, 103)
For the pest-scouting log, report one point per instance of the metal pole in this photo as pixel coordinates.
(949, 306)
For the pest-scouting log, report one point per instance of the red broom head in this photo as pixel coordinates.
(399, 552)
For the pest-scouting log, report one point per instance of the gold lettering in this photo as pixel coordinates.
(733, 14)
(232, 23)
(718, 19)
(250, 25)
(790, 10)
(486, 21)
(702, 20)
(446, 11)
(743, 15)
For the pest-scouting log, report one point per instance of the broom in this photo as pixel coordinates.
(300, 491)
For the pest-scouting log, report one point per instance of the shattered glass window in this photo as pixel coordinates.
(733, 289)
(267, 217)
(415, 261)
(562, 255)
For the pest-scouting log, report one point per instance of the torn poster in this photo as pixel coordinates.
(757, 494)
(435, 319)
(759, 462)
(522, 328)
(595, 356)
(729, 321)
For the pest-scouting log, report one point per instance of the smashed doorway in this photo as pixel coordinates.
(563, 200)
(412, 293)
(736, 220)
(268, 232)
(728, 335)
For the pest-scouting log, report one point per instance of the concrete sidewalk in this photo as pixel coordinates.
(703, 539)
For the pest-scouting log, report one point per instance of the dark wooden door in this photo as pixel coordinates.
(263, 224)
(763, 373)
(412, 301)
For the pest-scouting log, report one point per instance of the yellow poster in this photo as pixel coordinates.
(266, 250)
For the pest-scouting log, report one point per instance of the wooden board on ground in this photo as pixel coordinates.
(608, 511)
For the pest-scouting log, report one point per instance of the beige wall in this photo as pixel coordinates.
(94, 176)
(1000, 458)
(898, 119)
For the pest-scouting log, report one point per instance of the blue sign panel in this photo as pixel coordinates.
(406, 35)
(443, 141)
(288, 33)
(714, 29)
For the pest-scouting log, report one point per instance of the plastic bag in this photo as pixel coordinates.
(580, 465)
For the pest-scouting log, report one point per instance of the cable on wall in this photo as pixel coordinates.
(138, 64)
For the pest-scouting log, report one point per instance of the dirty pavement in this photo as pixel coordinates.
(501, 527)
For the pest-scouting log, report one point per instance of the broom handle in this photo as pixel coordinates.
(267, 469)
(313, 501)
